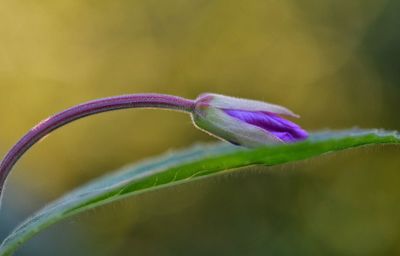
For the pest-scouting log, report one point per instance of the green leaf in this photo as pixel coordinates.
(183, 166)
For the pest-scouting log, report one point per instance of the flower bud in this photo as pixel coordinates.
(245, 122)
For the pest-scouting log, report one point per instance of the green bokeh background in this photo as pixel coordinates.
(337, 63)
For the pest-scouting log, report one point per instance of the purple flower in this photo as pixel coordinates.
(244, 122)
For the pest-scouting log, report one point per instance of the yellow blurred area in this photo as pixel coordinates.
(55, 54)
(58, 54)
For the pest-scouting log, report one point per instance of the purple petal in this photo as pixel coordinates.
(272, 123)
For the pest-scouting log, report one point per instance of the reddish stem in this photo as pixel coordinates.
(86, 109)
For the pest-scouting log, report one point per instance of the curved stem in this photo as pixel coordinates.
(89, 108)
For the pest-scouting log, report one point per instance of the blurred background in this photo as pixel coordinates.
(334, 62)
